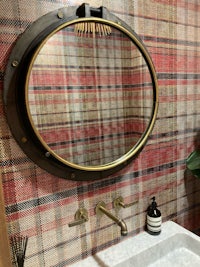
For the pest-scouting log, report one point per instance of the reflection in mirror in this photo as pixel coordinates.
(89, 95)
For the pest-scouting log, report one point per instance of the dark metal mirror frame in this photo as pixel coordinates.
(15, 87)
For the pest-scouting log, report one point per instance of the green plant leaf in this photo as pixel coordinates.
(193, 161)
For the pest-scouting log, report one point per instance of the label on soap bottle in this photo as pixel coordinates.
(154, 224)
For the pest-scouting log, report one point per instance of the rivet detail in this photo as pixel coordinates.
(24, 139)
(73, 175)
(60, 15)
(47, 154)
(15, 63)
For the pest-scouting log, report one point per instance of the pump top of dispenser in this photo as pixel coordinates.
(152, 210)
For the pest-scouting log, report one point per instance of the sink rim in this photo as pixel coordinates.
(162, 249)
(133, 247)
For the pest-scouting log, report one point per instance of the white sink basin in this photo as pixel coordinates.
(174, 247)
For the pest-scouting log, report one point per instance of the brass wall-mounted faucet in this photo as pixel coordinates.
(101, 208)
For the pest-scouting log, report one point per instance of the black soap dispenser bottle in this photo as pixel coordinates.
(154, 219)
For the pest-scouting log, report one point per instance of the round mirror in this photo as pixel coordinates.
(90, 97)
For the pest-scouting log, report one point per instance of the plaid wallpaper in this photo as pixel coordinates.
(40, 206)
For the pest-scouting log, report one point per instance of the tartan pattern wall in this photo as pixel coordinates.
(40, 205)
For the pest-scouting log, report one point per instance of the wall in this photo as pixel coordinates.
(41, 206)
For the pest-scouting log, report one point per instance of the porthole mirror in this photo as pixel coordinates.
(80, 93)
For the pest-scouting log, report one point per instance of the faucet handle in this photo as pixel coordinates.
(81, 216)
(119, 203)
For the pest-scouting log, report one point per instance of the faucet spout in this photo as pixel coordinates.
(101, 208)
(124, 230)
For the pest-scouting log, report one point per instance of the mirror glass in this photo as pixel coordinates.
(89, 94)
